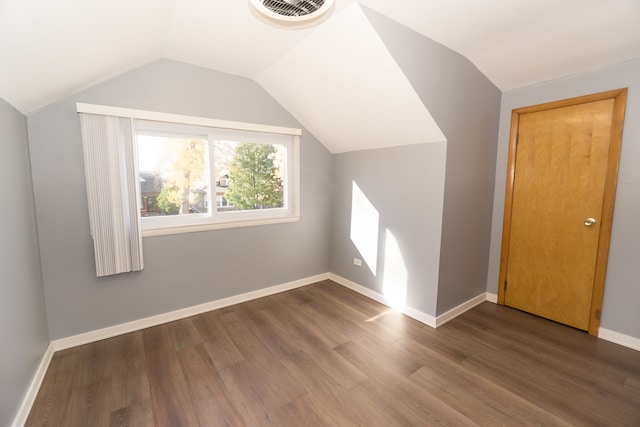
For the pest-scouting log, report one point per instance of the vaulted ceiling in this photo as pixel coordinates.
(49, 50)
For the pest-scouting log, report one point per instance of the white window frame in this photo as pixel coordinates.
(167, 124)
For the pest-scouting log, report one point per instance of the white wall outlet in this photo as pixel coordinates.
(357, 261)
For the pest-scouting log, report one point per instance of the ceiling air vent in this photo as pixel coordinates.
(292, 13)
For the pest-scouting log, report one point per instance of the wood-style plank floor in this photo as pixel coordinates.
(324, 355)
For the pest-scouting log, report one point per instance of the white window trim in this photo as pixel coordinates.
(180, 229)
(181, 119)
(240, 219)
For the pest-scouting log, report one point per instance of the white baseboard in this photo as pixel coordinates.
(124, 328)
(32, 392)
(618, 338)
(420, 316)
(605, 334)
(457, 311)
(382, 299)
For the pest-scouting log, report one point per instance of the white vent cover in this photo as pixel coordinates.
(292, 13)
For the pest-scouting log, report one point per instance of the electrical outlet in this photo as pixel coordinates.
(357, 261)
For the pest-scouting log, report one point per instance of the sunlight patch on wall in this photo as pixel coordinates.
(365, 220)
(394, 283)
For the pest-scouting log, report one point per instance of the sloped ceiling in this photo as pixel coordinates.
(49, 50)
(517, 43)
(362, 92)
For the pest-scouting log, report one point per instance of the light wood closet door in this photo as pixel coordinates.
(558, 190)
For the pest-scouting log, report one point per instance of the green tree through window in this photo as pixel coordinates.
(254, 182)
(168, 199)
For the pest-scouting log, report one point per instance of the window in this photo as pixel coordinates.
(198, 177)
(168, 173)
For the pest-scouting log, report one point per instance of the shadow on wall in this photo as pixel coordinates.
(365, 235)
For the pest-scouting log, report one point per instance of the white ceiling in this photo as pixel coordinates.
(362, 79)
(49, 50)
(517, 43)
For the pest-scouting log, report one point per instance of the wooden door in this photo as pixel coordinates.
(563, 168)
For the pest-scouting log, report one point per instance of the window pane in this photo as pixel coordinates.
(173, 175)
(249, 176)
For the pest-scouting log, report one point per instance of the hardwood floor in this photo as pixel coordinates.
(324, 355)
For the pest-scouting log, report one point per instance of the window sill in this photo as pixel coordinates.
(193, 228)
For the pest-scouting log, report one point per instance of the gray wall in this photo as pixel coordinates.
(466, 105)
(405, 185)
(620, 311)
(180, 270)
(23, 322)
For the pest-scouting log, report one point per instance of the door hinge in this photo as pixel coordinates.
(505, 286)
(517, 139)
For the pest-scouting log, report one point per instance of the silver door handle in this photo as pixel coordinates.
(590, 222)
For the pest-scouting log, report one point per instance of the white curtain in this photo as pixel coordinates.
(110, 162)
